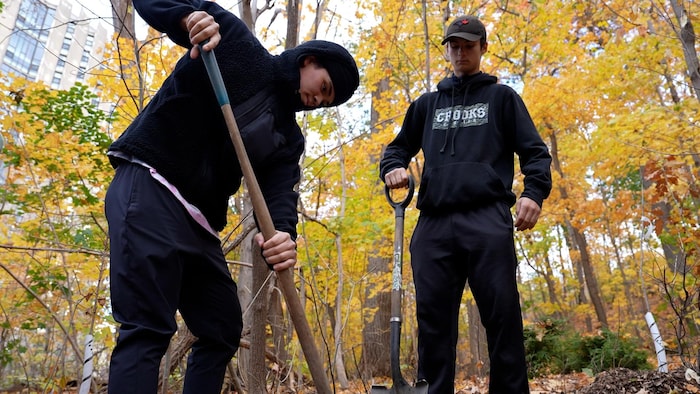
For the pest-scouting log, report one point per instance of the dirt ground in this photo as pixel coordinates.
(615, 381)
(623, 380)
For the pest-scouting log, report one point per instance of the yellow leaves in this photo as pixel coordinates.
(129, 84)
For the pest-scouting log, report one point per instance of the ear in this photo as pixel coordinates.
(484, 47)
(310, 59)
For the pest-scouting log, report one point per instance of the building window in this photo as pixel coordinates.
(56, 81)
(82, 69)
(25, 49)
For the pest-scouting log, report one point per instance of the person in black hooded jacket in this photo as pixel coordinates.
(469, 131)
(175, 171)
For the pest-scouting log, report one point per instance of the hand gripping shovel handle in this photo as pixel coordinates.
(267, 227)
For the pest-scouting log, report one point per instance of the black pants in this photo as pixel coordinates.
(162, 261)
(446, 251)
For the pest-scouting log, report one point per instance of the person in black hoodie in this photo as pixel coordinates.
(175, 171)
(469, 130)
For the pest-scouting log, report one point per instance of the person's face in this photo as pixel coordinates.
(315, 86)
(465, 56)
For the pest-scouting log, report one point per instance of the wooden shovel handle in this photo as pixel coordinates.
(267, 227)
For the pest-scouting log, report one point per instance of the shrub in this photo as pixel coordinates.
(553, 348)
(608, 351)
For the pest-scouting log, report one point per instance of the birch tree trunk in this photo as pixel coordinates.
(338, 327)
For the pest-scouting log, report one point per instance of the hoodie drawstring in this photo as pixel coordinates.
(454, 134)
(447, 132)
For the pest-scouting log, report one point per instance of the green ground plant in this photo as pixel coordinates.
(554, 348)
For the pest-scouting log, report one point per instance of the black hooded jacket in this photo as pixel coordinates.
(469, 130)
(182, 132)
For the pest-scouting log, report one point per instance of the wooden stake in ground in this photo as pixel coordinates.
(267, 227)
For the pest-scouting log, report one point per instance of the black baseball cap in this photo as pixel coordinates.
(467, 27)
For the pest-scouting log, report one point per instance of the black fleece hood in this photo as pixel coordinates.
(335, 59)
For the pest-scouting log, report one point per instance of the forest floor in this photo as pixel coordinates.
(623, 380)
(615, 381)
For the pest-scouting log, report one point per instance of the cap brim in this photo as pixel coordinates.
(466, 36)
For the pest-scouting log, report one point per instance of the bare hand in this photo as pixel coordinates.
(201, 27)
(279, 251)
(526, 213)
(396, 178)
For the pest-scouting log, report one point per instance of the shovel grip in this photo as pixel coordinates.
(407, 200)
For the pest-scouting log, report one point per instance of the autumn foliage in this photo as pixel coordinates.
(610, 85)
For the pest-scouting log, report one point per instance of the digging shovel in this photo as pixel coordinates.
(296, 311)
(400, 385)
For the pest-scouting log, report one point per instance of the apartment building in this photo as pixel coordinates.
(58, 42)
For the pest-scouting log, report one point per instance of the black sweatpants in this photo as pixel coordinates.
(162, 261)
(446, 251)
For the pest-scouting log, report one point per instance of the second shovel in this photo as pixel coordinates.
(400, 385)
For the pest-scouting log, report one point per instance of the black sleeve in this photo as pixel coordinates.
(166, 17)
(407, 143)
(533, 153)
(278, 180)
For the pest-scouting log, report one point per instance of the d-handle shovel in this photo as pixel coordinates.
(400, 386)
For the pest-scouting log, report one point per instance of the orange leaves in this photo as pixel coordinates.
(664, 175)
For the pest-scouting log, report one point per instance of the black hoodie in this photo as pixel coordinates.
(182, 132)
(469, 130)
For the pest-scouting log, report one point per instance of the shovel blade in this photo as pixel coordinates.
(420, 388)
(379, 390)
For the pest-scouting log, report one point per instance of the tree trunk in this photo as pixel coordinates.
(686, 34)
(549, 293)
(281, 332)
(427, 43)
(338, 329)
(338, 326)
(177, 351)
(591, 280)
(291, 41)
(246, 11)
(123, 19)
(375, 361)
(257, 370)
(551, 285)
(627, 286)
(246, 291)
(577, 241)
(478, 362)
(293, 9)
(580, 277)
(318, 17)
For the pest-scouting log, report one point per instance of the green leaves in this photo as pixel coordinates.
(75, 111)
